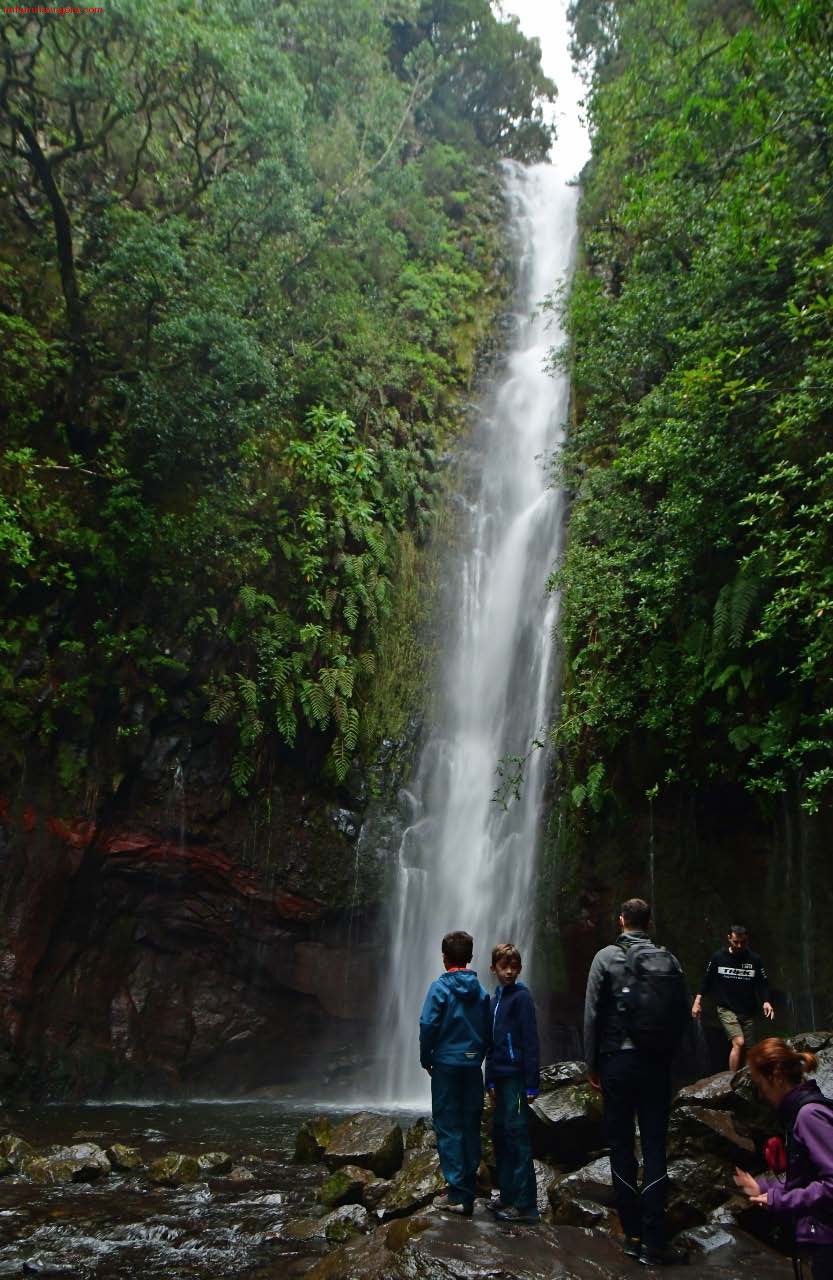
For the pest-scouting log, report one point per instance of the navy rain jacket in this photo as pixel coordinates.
(514, 1049)
(454, 1023)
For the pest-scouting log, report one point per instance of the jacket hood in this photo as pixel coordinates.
(464, 983)
(792, 1103)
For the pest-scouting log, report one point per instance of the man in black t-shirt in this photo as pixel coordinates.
(736, 978)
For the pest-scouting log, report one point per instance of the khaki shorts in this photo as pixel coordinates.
(734, 1025)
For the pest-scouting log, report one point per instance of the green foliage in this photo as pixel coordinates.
(248, 254)
(696, 586)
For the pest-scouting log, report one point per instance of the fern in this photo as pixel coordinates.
(351, 729)
(248, 692)
(222, 702)
(340, 758)
(286, 721)
(744, 594)
(242, 771)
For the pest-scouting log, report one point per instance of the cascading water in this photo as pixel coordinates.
(465, 862)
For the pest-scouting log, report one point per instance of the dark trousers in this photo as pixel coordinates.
(456, 1110)
(635, 1087)
(513, 1152)
(821, 1258)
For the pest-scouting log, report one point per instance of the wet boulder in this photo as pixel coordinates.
(420, 1135)
(696, 1186)
(174, 1170)
(86, 1161)
(590, 1182)
(6, 1167)
(696, 1129)
(437, 1246)
(371, 1141)
(344, 1222)
(336, 1227)
(566, 1123)
(122, 1158)
(45, 1170)
(712, 1091)
(414, 1186)
(14, 1149)
(345, 1186)
(214, 1163)
(312, 1140)
(240, 1174)
(559, 1074)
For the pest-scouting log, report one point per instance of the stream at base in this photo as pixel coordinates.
(123, 1227)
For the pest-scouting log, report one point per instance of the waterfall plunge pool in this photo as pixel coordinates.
(121, 1226)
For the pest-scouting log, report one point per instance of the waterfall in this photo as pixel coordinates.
(466, 862)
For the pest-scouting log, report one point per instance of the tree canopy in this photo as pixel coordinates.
(248, 252)
(697, 581)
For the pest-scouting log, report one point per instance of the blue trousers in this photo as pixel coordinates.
(456, 1110)
(513, 1152)
(635, 1087)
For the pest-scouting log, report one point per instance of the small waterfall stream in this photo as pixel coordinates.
(466, 862)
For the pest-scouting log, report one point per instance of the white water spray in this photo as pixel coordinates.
(465, 862)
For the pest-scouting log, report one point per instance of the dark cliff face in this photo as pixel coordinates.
(184, 944)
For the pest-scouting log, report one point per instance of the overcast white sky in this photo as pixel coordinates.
(547, 19)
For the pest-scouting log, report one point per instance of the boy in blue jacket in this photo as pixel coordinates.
(453, 1036)
(512, 1081)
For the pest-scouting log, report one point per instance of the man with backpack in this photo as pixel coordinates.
(636, 1009)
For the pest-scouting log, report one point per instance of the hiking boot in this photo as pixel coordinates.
(632, 1247)
(508, 1213)
(667, 1256)
(452, 1206)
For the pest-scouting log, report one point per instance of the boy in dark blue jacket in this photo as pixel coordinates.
(453, 1036)
(512, 1081)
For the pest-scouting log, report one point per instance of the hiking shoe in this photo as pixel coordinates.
(669, 1256)
(632, 1247)
(508, 1213)
(452, 1206)
(495, 1206)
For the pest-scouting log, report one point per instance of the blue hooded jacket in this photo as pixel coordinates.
(454, 1023)
(514, 1048)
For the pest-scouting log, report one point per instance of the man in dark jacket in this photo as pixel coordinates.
(512, 1082)
(736, 978)
(635, 1084)
(453, 1036)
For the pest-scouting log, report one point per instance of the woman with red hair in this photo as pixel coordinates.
(779, 1073)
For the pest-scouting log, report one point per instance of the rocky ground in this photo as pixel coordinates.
(367, 1211)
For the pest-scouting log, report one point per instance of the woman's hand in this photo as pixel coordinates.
(749, 1186)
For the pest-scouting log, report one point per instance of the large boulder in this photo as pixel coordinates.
(369, 1140)
(174, 1170)
(566, 1123)
(436, 1246)
(345, 1186)
(124, 1159)
(694, 1130)
(312, 1139)
(14, 1148)
(696, 1186)
(414, 1186)
(713, 1091)
(87, 1160)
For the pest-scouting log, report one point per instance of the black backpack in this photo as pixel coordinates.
(653, 999)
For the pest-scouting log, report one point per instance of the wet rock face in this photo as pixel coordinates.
(167, 959)
(433, 1246)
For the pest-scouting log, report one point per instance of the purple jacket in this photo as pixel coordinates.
(807, 1191)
